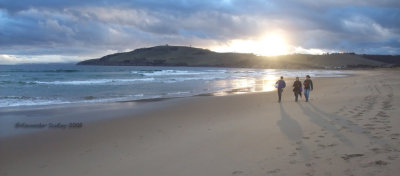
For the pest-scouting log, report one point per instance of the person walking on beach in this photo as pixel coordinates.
(297, 88)
(280, 84)
(308, 86)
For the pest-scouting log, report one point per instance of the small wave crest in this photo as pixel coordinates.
(46, 71)
(14, 101)
(167, 72)
(94, 81)
(177, 93)
(208, 78)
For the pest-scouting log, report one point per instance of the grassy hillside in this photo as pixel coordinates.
(188, 56)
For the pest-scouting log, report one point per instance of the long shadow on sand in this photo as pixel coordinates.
(355, 128)
(293, 131)
(325, 124)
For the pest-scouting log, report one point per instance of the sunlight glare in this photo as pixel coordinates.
(272, 44)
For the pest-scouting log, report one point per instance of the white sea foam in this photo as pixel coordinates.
(167, 72)
(177, 93)
(203, 78)
(29, 102)
(94, 81)
(15, 101)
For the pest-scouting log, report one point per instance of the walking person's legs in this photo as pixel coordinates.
(306, 93)
(280, 94)
(296, 95)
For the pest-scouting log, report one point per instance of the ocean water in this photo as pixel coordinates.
(30, 85)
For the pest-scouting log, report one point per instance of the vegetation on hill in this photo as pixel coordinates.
(189, 56)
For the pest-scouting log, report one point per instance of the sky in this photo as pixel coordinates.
(47, 31)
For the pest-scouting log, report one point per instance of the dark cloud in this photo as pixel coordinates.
(75, 27)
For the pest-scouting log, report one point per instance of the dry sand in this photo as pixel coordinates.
(351, 126)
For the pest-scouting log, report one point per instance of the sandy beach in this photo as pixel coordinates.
(351, 126)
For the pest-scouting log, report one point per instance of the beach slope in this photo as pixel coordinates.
(350, 126)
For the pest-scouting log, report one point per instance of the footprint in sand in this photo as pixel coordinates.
(392, 157)
(369, 125)
(238, 172)
(373, 118)
(381, 150)
(376, 163)
(349, 156)
(273, 171)
(387, 106)
(332, 145)
(381, 114)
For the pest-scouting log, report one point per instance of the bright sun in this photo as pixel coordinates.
(268, 45)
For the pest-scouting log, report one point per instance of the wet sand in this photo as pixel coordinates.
(350, 126)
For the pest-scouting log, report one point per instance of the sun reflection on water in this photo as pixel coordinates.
(269, 83)
(265, 83)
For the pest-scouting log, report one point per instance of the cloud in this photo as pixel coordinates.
(90, 28)
(21, 59)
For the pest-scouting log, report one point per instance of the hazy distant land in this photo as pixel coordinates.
(189, 56)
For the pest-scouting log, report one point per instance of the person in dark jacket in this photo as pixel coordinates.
(280, 85)
(297, 88)
(308, 86)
